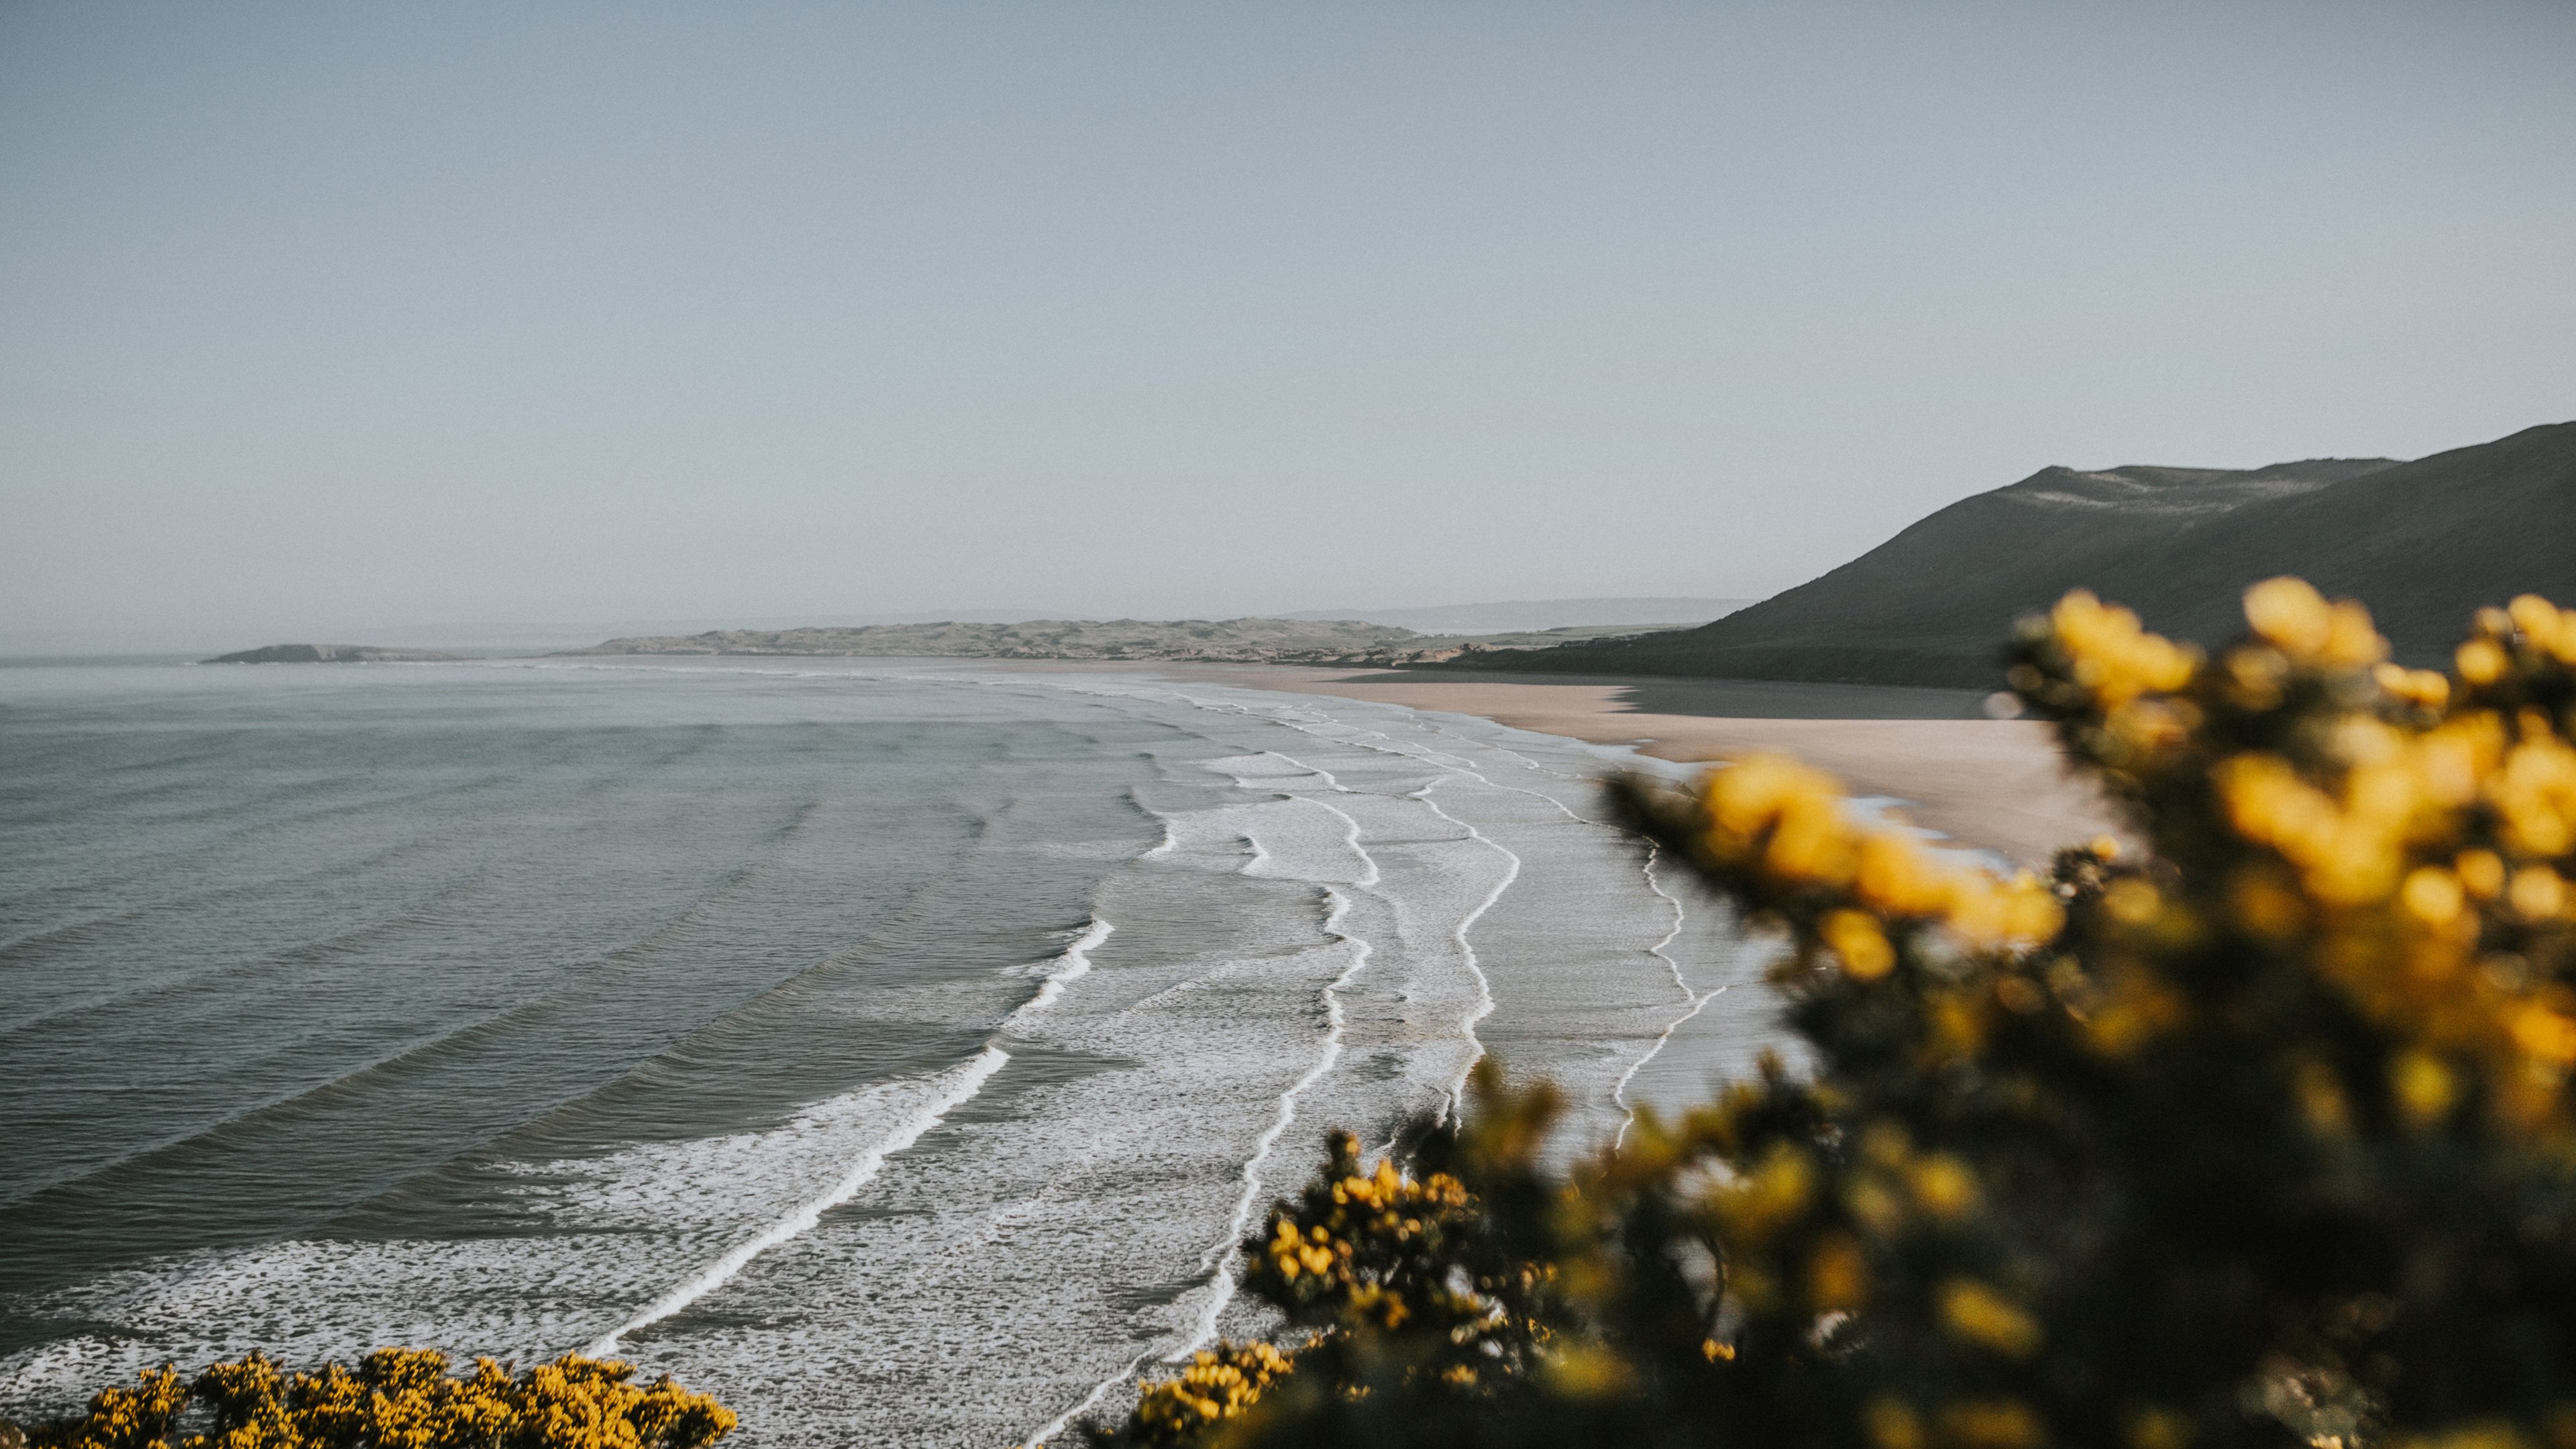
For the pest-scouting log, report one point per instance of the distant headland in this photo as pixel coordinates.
(332, 654)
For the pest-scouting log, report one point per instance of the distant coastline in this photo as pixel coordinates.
(1348, 643)
(1343, 642)
(333, 654)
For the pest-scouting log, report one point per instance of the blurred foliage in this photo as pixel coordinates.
(2260, 1133)
(395, 1399)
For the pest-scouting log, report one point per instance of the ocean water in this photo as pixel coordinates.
(895, 1051)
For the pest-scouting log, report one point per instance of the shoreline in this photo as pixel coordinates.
(1998, 785)
(1994, 785)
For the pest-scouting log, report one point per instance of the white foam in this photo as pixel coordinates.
(1694, 1000)
(1290, 838)
(1466, 948)
(953, 1087)
(1219, 1259)
(1456, 762)
(935, 1098)
(1220, 1253)
(1066, 969)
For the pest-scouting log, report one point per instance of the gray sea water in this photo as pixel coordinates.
(895, 1051)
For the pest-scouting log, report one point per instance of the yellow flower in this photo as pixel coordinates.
(2425, 1089)
(1944, 1185)
(2433, 895)
(2115, 658)
(1857, 939)
(2290, 614)
(2160, 1428)
(1759, 1203)
(2538, 893)
(2544, 625)
(2481, 873)
(1991, 1424)
(1892, 1424)
(1982, 1316)
(1837, 1274)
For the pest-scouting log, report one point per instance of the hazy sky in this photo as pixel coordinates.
(316, 316)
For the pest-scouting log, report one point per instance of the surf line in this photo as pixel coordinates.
(1170, 842)
(1698, 1000)
(1218, 1259)
(1456, 767)
(1484, 986)
(1069, 967)
(1318, 724)
(1485, 1001)
(956, 1086)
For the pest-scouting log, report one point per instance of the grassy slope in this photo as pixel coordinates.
(2423, 543)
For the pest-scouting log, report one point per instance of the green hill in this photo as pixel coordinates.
(2423, 543)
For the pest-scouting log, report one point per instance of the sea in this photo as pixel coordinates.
(895, 1050)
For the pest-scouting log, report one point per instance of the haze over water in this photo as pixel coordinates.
(893, 1051)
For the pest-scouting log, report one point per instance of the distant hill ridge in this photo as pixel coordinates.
(1539, 614)
(332, 654)
(1232, 641)
(2423, 543)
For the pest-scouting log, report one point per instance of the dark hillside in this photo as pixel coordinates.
(2421, 542)
(2424, 544)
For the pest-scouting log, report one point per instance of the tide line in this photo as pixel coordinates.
(1484, 986)
(1090, 1401)
(1697, 999)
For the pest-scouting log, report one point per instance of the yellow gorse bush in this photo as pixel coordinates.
(2262, 1133)
(2407, 840)
(1218, 1383)
(396, 1399)
(1788, 824)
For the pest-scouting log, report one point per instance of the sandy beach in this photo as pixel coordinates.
(1996, 784)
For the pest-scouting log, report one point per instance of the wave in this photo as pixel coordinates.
(1066, 969)
(1484, 984)
(1218, 1261)
(1220, 1257)
(939, 1095)
(944, 1093)
(1695, 1000)
(1312, 721)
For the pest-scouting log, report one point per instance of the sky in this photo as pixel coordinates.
(316, 317)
